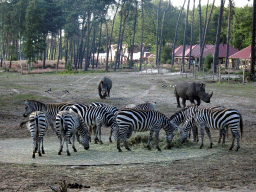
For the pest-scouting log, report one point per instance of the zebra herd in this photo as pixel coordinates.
(80, 121)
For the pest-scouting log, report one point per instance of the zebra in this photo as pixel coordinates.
(205, 118)
(96, 116)
(109, 108)
(187, 112)
(50, 109)
(143, 120)
(143, 106)
(68, 124)
(37, 125)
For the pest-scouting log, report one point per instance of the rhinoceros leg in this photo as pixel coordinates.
(178, 101)
(184, 102)
(198, 101)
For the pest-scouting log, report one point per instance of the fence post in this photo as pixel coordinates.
(243, 74)
(219, 74)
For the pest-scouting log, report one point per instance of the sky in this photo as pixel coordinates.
(238, 3)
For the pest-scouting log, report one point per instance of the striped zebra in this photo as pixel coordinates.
(37, 125)
(97, 116)
(143, 106)
(187, 112)
(68, 124)
(206, 119)
(109, 108)
(50, 109)
(143, 120)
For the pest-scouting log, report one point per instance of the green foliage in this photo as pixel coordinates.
(165, 55)
(34, 41)
(208, 59)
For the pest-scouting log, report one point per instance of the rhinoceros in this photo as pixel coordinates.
(104, 87)
(191, 91)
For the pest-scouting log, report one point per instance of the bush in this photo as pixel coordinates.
(208, 59)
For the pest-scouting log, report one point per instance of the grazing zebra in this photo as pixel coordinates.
(97, 116)
(109, 108)
(143, 120)
(68, 124)
(215, 119)
(143, 106)
(187, 112)
(50, 109)
(37, 125)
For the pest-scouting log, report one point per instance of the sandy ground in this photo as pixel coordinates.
(178, 169)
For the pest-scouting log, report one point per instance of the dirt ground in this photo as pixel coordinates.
(221, 171)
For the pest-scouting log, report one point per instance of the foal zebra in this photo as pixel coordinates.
(37, 125)
(205, 118)
(97, 116)
(68, 124)
(143, 120)
(50, 109)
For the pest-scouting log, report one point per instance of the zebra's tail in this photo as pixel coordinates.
(241, 125)
(21, 124)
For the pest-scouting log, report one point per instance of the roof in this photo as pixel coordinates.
(195, 50)
(243, 54)
(222, 50)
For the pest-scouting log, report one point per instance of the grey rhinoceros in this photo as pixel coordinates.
(191, 91)
(104, 87)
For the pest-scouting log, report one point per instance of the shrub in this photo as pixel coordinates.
(208, 59)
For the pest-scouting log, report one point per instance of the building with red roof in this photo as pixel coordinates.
(208, 49)
(242, 57)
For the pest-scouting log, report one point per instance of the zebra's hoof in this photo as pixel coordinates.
(201, 147)
(110, 140)
(68, 154)
(59, 153)
(128, 149)
(43, 152)
(33, 156)
(237, 148)
(211, 145)
(40, 154)
(158, 148)
(119, 150)
(149, 148)
(230, 149)
(75, 150)
(101, 142)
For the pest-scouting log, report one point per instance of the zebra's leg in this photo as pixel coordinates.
(67, 140)
(224, 132)
(195, 133)
(34, 148)
(73, 145)
(61, 145)
(209, 135)
(149, 139)
(111, 132)
(43, 145)
(99, 132)
(220, 136)
(238, 141)
(157, 139)
(118, 145)
(233, 141)
(202, 137)
(39, 143)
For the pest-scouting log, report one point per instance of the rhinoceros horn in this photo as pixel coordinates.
(211, 94)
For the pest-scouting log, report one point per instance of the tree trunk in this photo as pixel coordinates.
(99, 46)
(200, 32)
(60, 50)
(205, 33)
(142, 35)
(217, 43)
(157, 29)
(191, 40)
(176, 32)
(134, 32)
(185, 39)
(252, 71)
(87, 60)
(228, 32)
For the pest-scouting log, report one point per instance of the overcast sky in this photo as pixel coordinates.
(238, 3)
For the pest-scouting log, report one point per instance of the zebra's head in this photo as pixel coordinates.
(30, 106)
(85, 141)
(184, 128)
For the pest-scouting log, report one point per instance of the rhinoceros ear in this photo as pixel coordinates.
(202, 85)
(211, 94)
